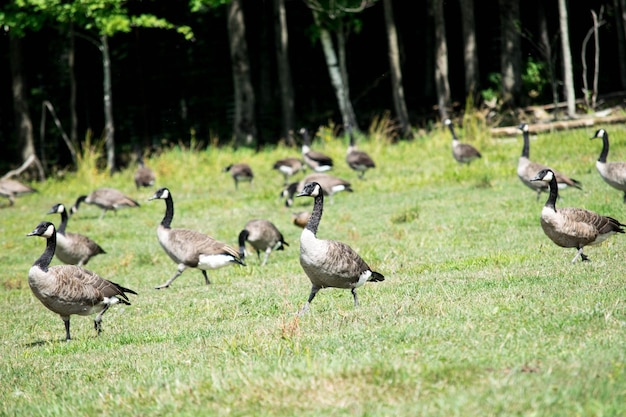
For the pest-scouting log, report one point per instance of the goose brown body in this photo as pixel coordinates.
(240, 172)
(613, 173)
(317, 161)
(288, 167)
(329, 183)
(463, 153)
(329, 263)
(358, 160)
(71, 290)
(106, 198)
(573, 227)
(10, 189)
(263, 236)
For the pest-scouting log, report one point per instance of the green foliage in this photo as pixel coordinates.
(534, 78)
(479, 314)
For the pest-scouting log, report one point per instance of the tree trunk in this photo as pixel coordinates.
(244, 123)
(109, 125)
(620, 17)
(545, 46)
(72, 78)
(336, 79)
(397, 88)
(510, 53)
(568, 71)
(23, 121)
(470, 48)
(441, 59)
(284, 73)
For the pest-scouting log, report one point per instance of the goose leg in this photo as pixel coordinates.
(66, 321)
(356, 300)
(580, 253)
(97, 322)
(206, 277)
(305, 307)
(267, 255)
(180, 270)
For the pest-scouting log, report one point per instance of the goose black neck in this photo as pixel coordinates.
(243, 235)
(605, 148)
(63, 224)
(526, 148)
(46, 257)
(78, 201)
(554, 193)
(169, 212)
(452, 131)
(316, 215)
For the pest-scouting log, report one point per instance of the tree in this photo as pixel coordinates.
(397, 88)
(441, 59)
(470, 48)
(284, 72)
(510, 53)
(568, 72)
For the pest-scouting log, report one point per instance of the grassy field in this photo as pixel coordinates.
(480, 314)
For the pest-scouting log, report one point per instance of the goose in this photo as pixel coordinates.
(464, 153)
(71, 289)
(240, 172)
(12, 188)
(329, 263)
(527, 169)
(317, 161)
(263, 235)
(573, 227)
(189, 248)
(105, 198)
(73, 248)
(301, 218)
(288, 167)
(329, 183)
(613, 173)
(356, 159)
(144, 175)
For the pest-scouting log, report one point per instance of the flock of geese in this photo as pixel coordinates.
(71, 289)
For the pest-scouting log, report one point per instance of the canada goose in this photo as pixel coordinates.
(263, 235)
(105, 198)
(189, 248)
(73, 248)
(573, 227)
(613, 173)
(144, 175)
(329, 183)
(464, 153)
(301, 218)
(12, 188)
(358, 160)
(71, 289)
(329, 263)
(240, 172)
(318, 161)
(288, 167)
(527, 169)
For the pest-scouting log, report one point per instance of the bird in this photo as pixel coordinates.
(73, 248)
(527, 169)
(240, 172)
(573, 227)
(105, 198)
(329, 183)
(263, 235)
(12, 188)
(317, 161)
(613, 173)
(329, 263)
(464, 153)
(189, 248)
(288, 167)
(71, 289)
(144, 175)
(356, 159)
(301, 218)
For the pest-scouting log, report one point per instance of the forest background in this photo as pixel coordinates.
(211, 71)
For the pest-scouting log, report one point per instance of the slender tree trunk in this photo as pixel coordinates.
(345, 106)
(397, 89)
(284, 73)
(72, 78)
(23, 122)
(441, 59)
(545, 47)
(568, 71)
(244, 124)
(470, 48)
(109, 125)
(510, 54)
(620, 18)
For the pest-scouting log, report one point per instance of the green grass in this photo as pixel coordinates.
(480, 314)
